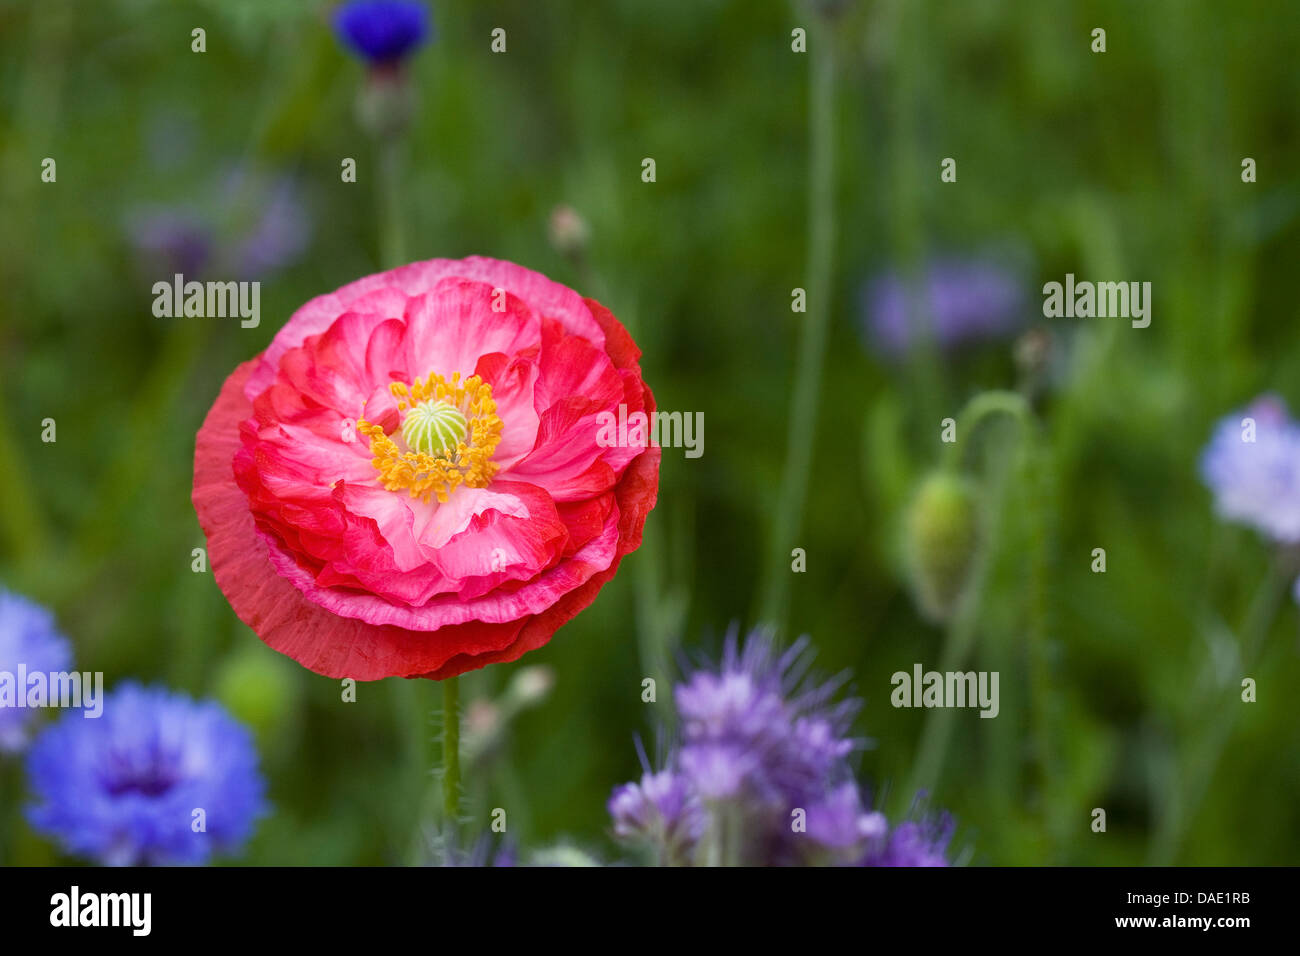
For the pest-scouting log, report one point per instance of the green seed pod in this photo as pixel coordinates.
(434, 428)
(941, 536)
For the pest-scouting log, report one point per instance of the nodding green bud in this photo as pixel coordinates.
(434, 428)
(942, 535)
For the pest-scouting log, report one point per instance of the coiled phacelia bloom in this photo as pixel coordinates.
(409, 481)
(759, 774)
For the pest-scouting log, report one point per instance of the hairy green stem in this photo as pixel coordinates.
(451, 750)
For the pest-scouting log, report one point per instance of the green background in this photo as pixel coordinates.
(1116, 166)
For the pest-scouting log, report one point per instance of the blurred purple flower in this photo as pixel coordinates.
(922, 842)
(28, 637)
(382, 32)
(1252, 465)
(254, 224)
(659, 811)
(839, 821)
(758, 728)
(171, 239)
(266, 220)
(962, 300)
(125, 788)
(760, 773)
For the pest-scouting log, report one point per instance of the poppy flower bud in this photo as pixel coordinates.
(941, 537)
(568, 231)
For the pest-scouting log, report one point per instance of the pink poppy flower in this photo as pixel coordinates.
(409, 482)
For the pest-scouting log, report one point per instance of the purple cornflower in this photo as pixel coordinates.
(382, 32)
(158, 779)
(760, 773)
(957, 300)
(1252, 464)
(28, 637)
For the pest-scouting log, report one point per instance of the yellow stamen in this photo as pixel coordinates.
(437, 476)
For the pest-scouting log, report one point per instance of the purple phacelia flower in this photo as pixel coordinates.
(133, 786)
(382, 32)
(758, 727)
(760, 772)
(29, 638)
(957, 301)
(661, 811)
(921, 842)
(840, 823)
(1252, 465)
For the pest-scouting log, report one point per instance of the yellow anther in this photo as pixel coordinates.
(427, 476)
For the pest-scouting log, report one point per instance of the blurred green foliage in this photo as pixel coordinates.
(1123, 165)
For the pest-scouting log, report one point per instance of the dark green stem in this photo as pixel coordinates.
(812, 342)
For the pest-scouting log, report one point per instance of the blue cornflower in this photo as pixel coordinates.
(28, 637)
(959, 301)
(382, 32)
(158, 779)
(1252, 464)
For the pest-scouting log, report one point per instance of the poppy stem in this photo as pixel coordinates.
(451, 750)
